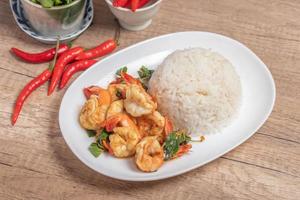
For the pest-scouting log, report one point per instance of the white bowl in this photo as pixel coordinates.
(138, 20)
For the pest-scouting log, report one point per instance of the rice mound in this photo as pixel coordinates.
(199, 90)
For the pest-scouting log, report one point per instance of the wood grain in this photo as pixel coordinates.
(35, 162)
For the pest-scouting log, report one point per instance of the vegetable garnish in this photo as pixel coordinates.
(173, 142)
(91, 133)
(145, 75)
(103, 136)
(119, 93)
(96, 148)
(122, 69)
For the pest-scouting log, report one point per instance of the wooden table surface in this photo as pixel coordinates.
(35, 162)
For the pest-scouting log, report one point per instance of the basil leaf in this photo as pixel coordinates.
(145, 75)
(58, 2)
(91, 133)
(119, 94)
(122, 69)
(104, 135)
(173, 142)
(51, 3)
(95, 149)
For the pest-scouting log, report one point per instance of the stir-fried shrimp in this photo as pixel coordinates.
(119, 120)
(127, 123)
(138, 102)
(123, 141)
(94, 110)
(149, 154)
(92, 113)
(115, 107)
(152, 125)
(117, 91)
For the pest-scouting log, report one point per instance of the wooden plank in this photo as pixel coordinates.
(222, 179)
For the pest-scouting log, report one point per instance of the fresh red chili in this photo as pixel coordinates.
(41, 57)
(27, 90)
(32, 85)
(119, 3)
(134, 5)
(128, 4)
(73, 68)
(101, 50)
(62, 61)
(140, 5)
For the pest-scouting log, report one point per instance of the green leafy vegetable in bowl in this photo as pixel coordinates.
(52, 3)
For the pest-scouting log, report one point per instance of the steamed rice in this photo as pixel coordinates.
(199, 90)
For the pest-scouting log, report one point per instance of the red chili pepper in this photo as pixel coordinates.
(141, 4)
(41, 57)
(62, 61)
(27, 90)
(101, 50)
(128, 4)
(73, 68)
(134, 5)
(119, 3)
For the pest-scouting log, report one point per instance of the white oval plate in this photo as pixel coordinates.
(258, 100)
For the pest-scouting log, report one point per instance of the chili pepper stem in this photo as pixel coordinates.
(117, 32)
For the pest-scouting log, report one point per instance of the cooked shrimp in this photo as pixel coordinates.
(115, 107)
(123, 141)
(92, 113)
(138, 102)
(149, 154)
(117, 89)
(120, 120)
(152, 125)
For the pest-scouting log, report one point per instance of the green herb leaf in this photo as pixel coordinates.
(171, 146)
(145, 75)
(46, 3)
(172, 143)
(119, 93)
(95, 149)
(103, 135)
(51, 3)
(122, 69)
(91, 133)
(58, 2)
